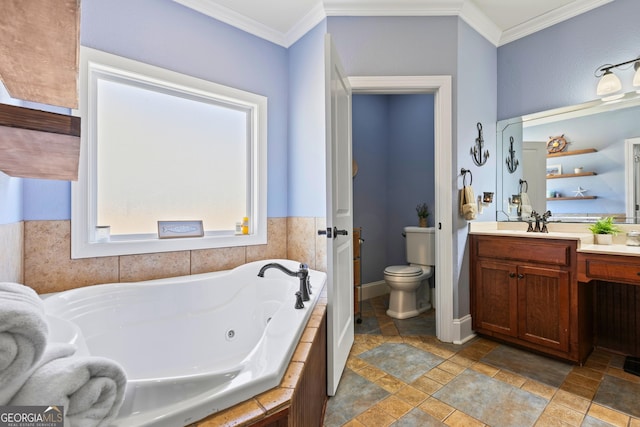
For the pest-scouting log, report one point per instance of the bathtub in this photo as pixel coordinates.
(192, 345)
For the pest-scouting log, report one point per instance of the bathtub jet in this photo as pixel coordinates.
(192, 345)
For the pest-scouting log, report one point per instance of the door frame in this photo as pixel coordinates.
(440, 87)
(629, 177)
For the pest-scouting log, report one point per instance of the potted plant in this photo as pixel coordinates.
(603, 230)
(423, 214)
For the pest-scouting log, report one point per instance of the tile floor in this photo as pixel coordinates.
(398, 374)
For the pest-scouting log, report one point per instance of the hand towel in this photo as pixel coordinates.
(468, 207)
(23, 336)
(91, 389)
(525, 205)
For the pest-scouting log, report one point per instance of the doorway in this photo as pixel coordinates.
(393, 146)
(440, 87)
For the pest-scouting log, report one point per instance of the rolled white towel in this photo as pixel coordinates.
(91, 389)
(23, 336)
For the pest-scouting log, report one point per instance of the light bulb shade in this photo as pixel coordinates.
(636, 76)
(609, 83)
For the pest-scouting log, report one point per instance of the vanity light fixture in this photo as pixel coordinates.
(609, 84)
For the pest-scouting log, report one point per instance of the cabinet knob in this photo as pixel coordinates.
(520, 276)
(512, 275)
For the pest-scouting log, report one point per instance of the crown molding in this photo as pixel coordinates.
(465, 9)
(393, 7)
(235, 19)
(477, 20)
(310, 20)
(548, 19)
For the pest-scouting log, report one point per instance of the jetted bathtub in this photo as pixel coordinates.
(192, 345)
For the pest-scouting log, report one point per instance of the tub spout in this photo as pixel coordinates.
(302, 274)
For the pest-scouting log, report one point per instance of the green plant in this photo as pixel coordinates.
(604, 226)
(423, 210)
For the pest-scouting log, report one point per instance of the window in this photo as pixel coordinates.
(162, 146)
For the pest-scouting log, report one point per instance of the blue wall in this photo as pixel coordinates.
(555, 67)
(393, 143)
(306, 150)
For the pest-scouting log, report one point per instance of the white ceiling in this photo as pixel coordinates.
(285, 21)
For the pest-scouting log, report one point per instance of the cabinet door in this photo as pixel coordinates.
(543, 306)
(496, 297)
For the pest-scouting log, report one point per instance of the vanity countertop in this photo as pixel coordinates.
(567, 231)
(519, 229)
(614, 249)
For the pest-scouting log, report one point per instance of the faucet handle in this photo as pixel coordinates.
(299, 303)
(303, 266)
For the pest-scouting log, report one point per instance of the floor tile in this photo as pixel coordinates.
(401, 360)
(619, 394)
(491, 401)
(528, 364)
(417, 418)
(355, 395)
(396, 375)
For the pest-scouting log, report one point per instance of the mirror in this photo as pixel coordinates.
(578, 162)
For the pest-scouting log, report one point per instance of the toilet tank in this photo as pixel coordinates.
(421, 245)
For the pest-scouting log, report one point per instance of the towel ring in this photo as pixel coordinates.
(464, 173)
(524, 186)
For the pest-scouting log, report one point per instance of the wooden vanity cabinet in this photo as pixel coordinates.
(525, 291)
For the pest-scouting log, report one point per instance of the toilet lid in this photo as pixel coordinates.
(403, 270)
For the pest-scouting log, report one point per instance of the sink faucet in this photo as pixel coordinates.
(541, 222)
(302, 274)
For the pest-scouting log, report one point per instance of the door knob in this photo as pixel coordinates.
(326, 232)
(341, 232)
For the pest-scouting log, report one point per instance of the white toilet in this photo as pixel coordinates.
(410, 292)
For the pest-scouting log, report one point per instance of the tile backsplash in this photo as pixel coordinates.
(11, 252)
(46, 265)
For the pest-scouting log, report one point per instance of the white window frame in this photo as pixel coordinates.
(93, 64)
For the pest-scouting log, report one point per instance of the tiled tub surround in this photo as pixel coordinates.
(182, 324)
(48, 266)
(11, 251)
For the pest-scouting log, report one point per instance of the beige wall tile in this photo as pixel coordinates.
(11, 252)
(321, 245)
(276, 247)
(154, 266)
(301, 242)
(206, 260)
(39, 256)
(48, 266)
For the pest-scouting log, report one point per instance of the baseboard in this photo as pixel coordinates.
(374, 289)
(462, 331)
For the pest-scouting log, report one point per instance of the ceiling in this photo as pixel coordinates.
(285, 21)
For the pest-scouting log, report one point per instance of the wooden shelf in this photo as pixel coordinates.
(572, 198)
(571, 175)
(572, 153)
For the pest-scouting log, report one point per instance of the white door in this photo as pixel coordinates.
(339, 217)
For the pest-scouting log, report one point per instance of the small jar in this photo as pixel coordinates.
(633, 238)
(245, 225)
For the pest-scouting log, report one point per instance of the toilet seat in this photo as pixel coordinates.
(406, 270)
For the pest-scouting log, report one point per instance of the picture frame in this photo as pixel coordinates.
(554, 170)
(180, 229)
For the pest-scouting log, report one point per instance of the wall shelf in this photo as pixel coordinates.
(572, 153)
(571, 198)
(571, 175)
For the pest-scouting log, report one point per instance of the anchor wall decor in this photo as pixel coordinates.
(512, 162)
